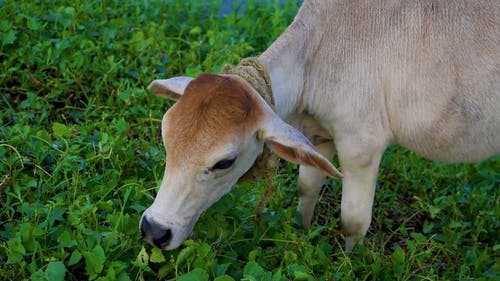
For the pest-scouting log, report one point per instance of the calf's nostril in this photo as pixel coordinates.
(155, 233)
(162, 238)
(145, 226)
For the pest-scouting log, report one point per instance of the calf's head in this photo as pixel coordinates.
(212, 136)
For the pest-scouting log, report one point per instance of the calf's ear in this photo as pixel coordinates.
(172, 88)
(290, 144)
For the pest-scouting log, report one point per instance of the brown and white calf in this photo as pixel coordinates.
(350, 76)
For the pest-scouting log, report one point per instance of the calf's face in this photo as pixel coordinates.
(210, 141)
(212, 136)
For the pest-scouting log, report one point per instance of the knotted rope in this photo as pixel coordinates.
(265, 166)
(256, 74)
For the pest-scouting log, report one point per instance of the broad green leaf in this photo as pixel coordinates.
(300, 275)
(399, 254)
(142, 259)
(16, 250)
(253, 271)
(75, 257)
(8, 37)
(118, 271)
(456, 224)
(253, 254)
(5, 25)
(69, 10)
(94, 261)
(66, 240)
(60, 130)
(224, 278)
(398, 257)
(166, 269)
(157, 256)
(195, 30)
(220, 269)
(418, 237)
(300, 272)
(121, 126)
(39, 276)
(138, 36)
(35, 231)
(277, 275)
(33, 24)
(184, 254)
(196, 274)
(55, 271)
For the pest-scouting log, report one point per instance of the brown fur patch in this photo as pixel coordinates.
(213, 109)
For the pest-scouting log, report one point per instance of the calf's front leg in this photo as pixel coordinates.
(359, 162)
(310, 182)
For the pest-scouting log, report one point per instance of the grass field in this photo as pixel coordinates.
(81, 158)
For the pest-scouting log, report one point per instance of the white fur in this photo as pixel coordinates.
(359, 75)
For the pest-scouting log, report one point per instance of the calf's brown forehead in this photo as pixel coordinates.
(212, 110)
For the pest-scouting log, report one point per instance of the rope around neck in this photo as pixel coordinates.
(265, 165)
(257, 76)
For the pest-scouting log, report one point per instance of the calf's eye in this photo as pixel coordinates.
(224, 164)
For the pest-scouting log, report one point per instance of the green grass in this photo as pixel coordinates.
(81, 158)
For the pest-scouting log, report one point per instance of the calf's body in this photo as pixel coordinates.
(356, 76)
